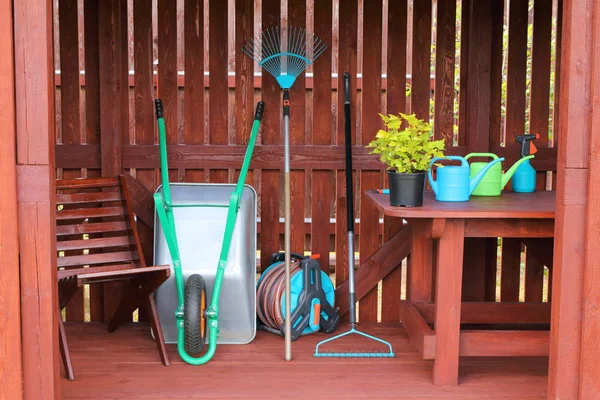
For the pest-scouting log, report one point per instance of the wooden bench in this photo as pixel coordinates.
(98, 242)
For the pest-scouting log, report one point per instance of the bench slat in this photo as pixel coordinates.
(90, 213)
(95, 243)
(96, 227)
(98, 258)
(94, 197)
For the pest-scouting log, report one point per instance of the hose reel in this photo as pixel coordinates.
(312, 297)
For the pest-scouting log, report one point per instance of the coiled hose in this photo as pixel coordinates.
(269, 293)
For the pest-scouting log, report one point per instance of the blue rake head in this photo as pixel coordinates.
(390, 354)
(284, 58)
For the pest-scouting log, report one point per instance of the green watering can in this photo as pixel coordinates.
(494, 180)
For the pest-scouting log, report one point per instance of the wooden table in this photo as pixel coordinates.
(438, 300)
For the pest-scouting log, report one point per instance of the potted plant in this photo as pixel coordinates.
(407, 152)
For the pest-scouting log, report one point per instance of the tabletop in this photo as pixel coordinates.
(539, 204)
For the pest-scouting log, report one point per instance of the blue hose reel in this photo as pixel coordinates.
(312, 297)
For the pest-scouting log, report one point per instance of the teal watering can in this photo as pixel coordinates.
(453, 182)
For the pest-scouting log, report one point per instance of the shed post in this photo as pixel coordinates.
(574, 346)
(36, 206)
(11, 367)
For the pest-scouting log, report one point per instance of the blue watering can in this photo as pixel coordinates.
(453, 182)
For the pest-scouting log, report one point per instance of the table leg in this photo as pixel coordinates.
(447, 303)
(420, 274)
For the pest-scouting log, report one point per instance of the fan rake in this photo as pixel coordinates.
(285, 59)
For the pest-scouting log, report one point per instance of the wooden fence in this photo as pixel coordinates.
(481, 70)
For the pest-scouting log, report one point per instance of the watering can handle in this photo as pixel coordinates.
(495, 157)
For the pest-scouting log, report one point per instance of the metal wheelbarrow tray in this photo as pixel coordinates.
(200, 234)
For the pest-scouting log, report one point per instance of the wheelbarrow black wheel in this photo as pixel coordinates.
(194, 316)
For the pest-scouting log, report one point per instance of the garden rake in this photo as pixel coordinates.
(350, 214)
(285, 60)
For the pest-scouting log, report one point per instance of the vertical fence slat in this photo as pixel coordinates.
(70, 108)
(348, 31)
(144, 123)
(218, 90)
(371, 106)
(322, 180)
(167, 66)
(511, 270)
(539, 121)
(421, 59)
(444, 70)
(114, 109)
(194, 71)
(515, 125)
(92, 118)
(194, 92)
(396, 103)
(271, 134)
(476, 124)
(496, 74)
(464, 68)
(297, 19)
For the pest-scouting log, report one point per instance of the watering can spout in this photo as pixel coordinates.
(508, 174)
(477, 178)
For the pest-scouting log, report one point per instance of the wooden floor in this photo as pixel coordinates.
(125, 364)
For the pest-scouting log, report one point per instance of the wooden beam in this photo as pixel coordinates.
(267, 156)
(375, 268)
(34, 90)
(494, 313)
(509, 228)
(11, 367)
(504, 343)
(589, 384)
(574, 132)
(419, 333)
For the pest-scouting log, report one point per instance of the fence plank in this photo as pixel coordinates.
(515, 125)
(463, 80)
(421, 59)
(348, 31)
(322, 180)
(218, 91)
(114, 104)
(297, 19)
(371, 102)
(391, 286)
(271, 134)
(444, 70)
(92, 120)
(70, 108)
(511, 268)
(167, 66)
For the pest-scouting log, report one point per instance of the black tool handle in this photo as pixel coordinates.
(348, 140)
(259, 110)
(159, 108)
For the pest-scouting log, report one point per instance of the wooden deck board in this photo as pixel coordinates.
(124, 364)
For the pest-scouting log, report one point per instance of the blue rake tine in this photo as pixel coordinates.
(357, 354)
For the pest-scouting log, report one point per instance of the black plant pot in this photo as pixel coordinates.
(406, 189)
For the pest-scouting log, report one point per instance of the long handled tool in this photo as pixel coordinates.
(350, 213)
(285, 60)
(193, 318)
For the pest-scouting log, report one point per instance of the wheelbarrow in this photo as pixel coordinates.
(197, 316)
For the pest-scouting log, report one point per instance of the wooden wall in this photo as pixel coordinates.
(492, 82)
